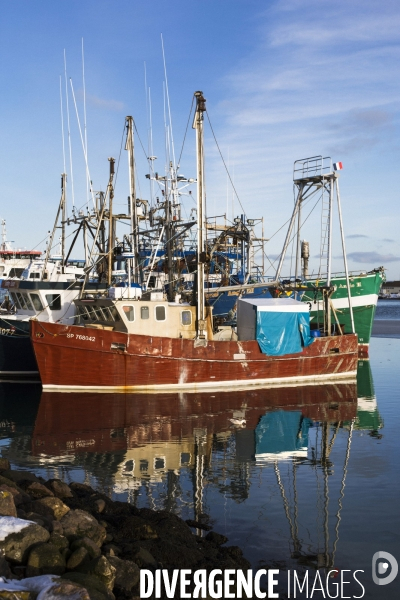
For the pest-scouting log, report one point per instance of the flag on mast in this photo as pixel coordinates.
(338, 166)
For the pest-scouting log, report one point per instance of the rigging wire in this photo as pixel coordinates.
(82, 141)
(186, 130)
(226, 169)
(168, 102)
(119, 155)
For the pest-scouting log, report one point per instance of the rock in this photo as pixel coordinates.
(41, 520)
(58, 540)
(16, 545)
(99, 505)
(35, 489)
(234, 551)
(111, 549)
(216, 538)
(58, 528)
(198, 525)
(89, 545)
(18, 494)
(19, 571)
(4, 464)
(7, 481)
(7, 505)
(144, 559)
(127, 573)
(64, 590)
(5, 570)
(136, 528)
(97, 590)
(15, 595)
(20, 476)
(79, 523)
(101, 568)
(81, 488)
(45, 559)
(78, 558)
(50, 507)
(59, 488)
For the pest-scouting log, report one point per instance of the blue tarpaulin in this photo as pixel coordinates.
(282, 431)
(281, 333)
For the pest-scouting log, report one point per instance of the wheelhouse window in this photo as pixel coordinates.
(107, 313)
(144, 312)
(186, 317)
(37, 303)
(54, 301)
(28, 302)
(129, 312)
(15, 299)
(114, 313)
(15, 273)
(92, 312)
(21, 300)
(82, 314)
(34, 276)
(160, 313)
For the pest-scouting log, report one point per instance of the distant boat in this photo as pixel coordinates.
(12, 261)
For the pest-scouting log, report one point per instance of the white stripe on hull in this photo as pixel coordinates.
(349, 377)
(356, 301)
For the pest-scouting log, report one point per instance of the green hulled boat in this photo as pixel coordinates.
(368, 417)
(365, 288)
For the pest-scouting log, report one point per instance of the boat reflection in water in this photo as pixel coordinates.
(277, 458)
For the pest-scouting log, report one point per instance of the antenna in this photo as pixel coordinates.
(69, 132)
(151, 159)
(84, 122)
(62, 125)
(169, 106)
(83, 143)
(150, 156)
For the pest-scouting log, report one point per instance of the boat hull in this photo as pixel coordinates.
(73, 358)
(17, 358)
(365, 289)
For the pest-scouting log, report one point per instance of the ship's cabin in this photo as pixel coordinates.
(158, 318)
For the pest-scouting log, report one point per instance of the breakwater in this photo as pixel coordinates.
(95, 546)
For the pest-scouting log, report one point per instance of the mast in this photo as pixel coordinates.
(198, 125)
(132, 200)
(346, 270)
(63, 219)
(62, 209)
(110, 223)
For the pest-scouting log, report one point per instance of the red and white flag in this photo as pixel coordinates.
(338, 166)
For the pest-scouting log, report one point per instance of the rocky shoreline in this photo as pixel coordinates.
(95, 546)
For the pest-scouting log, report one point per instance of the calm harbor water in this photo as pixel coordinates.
(388, 309)
(302, 478)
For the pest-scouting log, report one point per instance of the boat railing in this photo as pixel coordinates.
(314, 166)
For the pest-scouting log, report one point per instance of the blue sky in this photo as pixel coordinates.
(283, 80)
